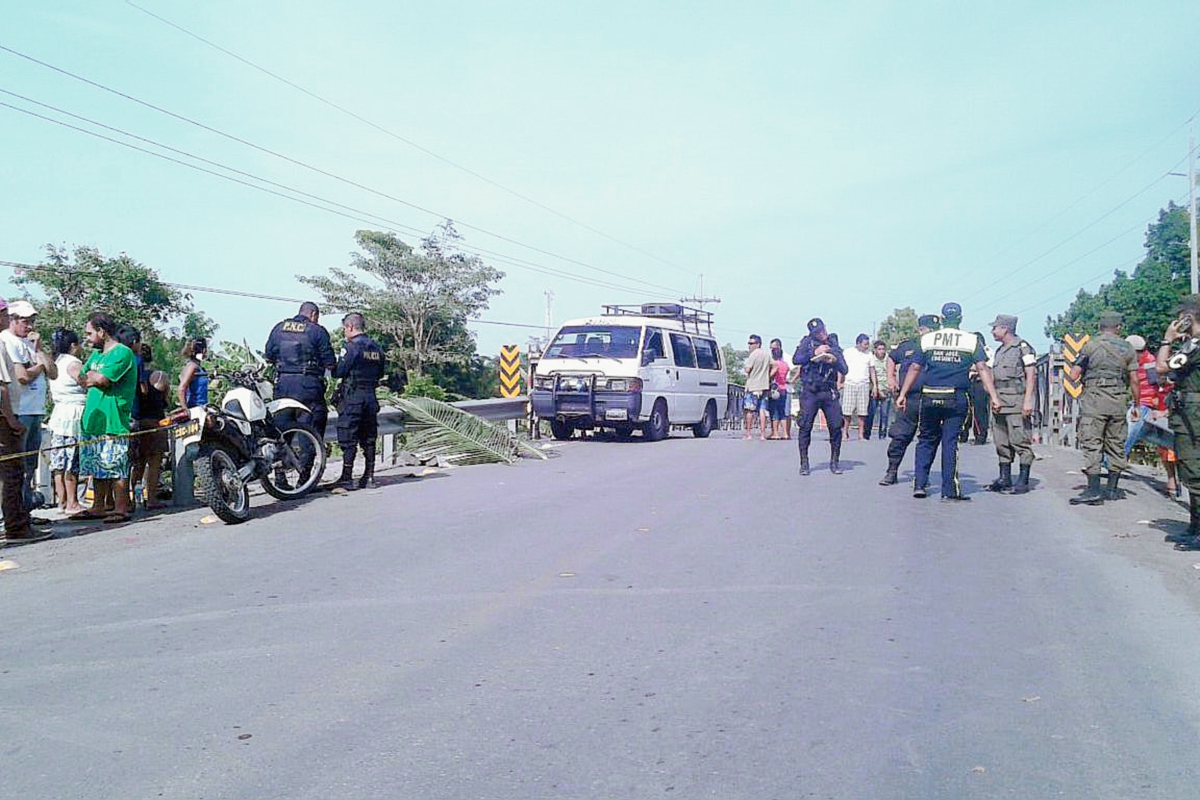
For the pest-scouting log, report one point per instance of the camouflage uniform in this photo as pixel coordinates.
(1106, 361)
(1011, 429)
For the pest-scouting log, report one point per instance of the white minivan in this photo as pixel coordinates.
(644, 367)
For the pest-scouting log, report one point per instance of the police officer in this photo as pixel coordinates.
(1107, 364)
(1183, 366)
(904, 426)
(300, 350)
(1013, 371)
(944, 357)
(820, 359)
(360, 369)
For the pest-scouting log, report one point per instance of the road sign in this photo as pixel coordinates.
(1071, 347)
(510, 370)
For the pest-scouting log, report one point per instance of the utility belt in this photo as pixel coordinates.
(1013, 383)
(307, 372)
(941, 392)
(1104, 383)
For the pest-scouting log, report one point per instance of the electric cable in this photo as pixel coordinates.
(312, 168)
(354, 115)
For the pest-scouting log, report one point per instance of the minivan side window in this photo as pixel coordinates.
(654, 348)
(707, 354)
(685, 354)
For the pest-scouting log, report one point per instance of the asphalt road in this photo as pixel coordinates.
(627, 620)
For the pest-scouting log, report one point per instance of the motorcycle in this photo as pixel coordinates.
(250, 437)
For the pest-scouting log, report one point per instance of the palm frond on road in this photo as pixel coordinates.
(435, 429)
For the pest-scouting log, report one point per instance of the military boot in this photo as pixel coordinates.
(367, 481)
(1189, 539)
(346, 480)
(1004, 482)
(804, 468)
(1093, 495)
(1021, 484)
(891, 476)
(835, 455)
(1111, 492)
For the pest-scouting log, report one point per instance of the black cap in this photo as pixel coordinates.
(952, 310)
(929, 321)
(815, 324)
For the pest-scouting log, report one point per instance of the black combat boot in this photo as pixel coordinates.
(804, 468)
(835, 455)
(346, 481)
(891, 476)
(1111, 492)
(367, 481)
(1093, 495)
(1021, 485)
(1004, 482)
(1189, 539)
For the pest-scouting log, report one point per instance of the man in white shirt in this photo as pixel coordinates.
(856, 387)
(17, 528)
(32, 366)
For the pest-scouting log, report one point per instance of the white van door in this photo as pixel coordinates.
(687, 379)
(658, 373)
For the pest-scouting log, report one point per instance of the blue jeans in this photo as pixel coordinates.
(1141, 430)
(883, 407)
(29, 442)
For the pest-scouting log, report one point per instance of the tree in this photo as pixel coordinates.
(1147, 298)
(735, 363)
(77, 284)
(420, 300)
(899, 326)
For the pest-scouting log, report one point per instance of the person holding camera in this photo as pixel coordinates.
(823, 367)
(1181, 365)
(1108, 366)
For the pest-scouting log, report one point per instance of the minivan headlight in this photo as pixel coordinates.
(621, 385)
(545, 382)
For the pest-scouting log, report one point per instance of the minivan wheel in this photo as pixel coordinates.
(705, 426)
(561, 429)
(657, 428)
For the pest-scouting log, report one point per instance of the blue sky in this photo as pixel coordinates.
(808, 159)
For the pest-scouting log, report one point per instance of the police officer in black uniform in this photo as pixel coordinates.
(360, 369)
(300, 350)
(821, 361)
(904, 426)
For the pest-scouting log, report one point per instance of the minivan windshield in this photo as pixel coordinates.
(608, 341)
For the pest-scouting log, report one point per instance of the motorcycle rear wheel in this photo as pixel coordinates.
(298, 471)
(216, 478)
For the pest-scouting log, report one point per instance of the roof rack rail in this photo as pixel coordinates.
(693, 320)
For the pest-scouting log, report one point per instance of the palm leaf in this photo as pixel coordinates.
(436, 429)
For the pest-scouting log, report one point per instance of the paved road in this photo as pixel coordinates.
(629, 620)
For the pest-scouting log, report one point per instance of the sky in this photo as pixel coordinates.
(795, 159)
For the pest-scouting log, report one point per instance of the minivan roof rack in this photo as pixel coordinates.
(693, 320)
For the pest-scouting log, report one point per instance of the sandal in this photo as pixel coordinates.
(116, 518)
(87, 514)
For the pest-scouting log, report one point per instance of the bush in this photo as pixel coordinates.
(424, 386)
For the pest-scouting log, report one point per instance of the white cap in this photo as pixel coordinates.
(1136, 341)
(21, 308)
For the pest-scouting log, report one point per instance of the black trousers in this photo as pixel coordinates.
(904, 430)
(310, 390)
(812, 401)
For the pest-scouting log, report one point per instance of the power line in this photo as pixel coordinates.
(317, 170)
(374, 219)
(15, 265)
(398, 137)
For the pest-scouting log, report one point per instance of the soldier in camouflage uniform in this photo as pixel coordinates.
(1183, 366)
(1107, 364)
(1015, 378)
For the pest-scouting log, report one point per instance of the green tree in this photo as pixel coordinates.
(1148, 297)
(70, 286)
(417, 301)
(735, 363)
(899, 326)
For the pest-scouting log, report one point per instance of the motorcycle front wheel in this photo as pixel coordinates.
(216, 477)
(299, 465)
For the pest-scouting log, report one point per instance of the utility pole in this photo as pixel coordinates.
(1192, 205)
(549, 313)
(701, 299)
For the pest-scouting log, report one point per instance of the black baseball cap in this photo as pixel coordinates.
(815, 324)
(929, 321)
(952, 311)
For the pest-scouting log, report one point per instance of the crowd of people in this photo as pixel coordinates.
(945, 383)
(109, 410)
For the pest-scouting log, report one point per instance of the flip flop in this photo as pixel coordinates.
(86, 514)
(116, 519)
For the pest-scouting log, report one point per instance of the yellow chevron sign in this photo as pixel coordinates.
(1071, 347)
(510, 370)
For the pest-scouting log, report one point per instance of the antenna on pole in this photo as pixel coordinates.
(549, 313)
(700, 299)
